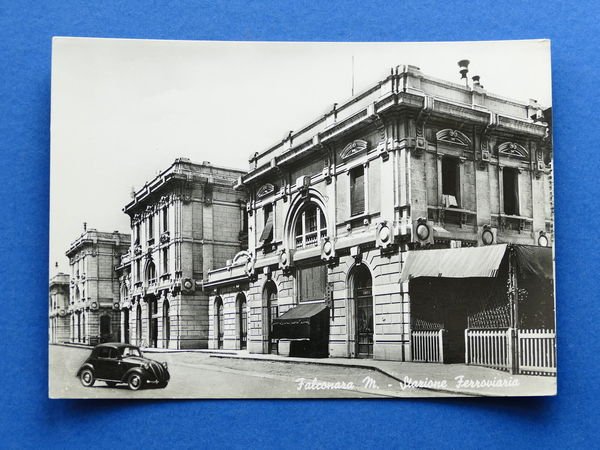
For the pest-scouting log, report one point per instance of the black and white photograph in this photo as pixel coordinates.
(301, 220)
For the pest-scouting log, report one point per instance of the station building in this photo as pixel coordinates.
(337, 211)
(93, 311)
(59, 326)
(183, 222)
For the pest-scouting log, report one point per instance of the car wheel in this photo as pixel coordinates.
(135, 382)
(87, 377)
(110, 383)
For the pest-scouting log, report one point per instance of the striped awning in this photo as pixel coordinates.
(468, 262)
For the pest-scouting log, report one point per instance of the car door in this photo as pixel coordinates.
(101, 363)
(113, 365)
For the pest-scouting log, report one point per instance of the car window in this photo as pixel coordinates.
(104, 352)
(131, 351)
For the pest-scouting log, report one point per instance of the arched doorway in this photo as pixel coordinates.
(362, 286)
(83, 333)
(78, 327)
(271, 312)
(125, 314)
(105, 332)
(242, 320)
(138, 324)
(166, 324)
(219, 322)
(152, 320)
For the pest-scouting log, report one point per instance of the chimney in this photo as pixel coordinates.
(84, 226)
(463, 68)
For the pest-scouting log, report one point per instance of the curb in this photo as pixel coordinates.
(356, 366)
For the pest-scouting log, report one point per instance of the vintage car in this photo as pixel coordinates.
(122, 363)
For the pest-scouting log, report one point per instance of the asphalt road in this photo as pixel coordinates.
(198, 375)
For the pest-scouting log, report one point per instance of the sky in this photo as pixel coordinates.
(123, 110)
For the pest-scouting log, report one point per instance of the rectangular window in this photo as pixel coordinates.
(510, 186)
(244, 220)
(313, 283)
(165, 219)
(150, 227)
(138, 273)
(165, 260)
(137, 233)
(267, 233)
(450, 182)
(357, 191)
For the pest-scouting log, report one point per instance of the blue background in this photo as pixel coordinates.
(29, 419)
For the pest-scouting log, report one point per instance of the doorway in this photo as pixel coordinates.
(243, 321)
(272, 312)
(219, 322)
(363, 300)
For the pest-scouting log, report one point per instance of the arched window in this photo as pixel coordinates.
(150, 273)
(310, 226)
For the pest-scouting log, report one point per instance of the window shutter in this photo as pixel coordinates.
(267, 233)
(357, 191)
(313, 283)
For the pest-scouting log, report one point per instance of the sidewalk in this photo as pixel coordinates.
(448, 378)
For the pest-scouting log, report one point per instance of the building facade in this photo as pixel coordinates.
(413, 164)
(93, 312)
(185, 221)
(59, 326)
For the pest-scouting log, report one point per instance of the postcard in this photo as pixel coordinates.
(301, 220)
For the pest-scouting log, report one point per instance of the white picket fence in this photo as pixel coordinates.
(428, 346)
(490, 348)
(537, 352)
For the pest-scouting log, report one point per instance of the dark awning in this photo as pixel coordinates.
(468, 262)
(535, 262)
(300, 322)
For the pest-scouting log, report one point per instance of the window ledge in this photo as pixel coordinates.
(360, 216)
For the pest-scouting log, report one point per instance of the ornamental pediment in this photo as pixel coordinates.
(453, 137)
(512, 149)
(354, 148)
(265, 190)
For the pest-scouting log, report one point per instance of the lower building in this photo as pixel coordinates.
(476, 305)
(59, 326)
(184, 221)
(93, 311)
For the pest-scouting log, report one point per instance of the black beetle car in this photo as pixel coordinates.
(122, 363)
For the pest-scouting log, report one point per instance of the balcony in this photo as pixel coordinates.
(452, 216)
(310, 239)
(512, 224)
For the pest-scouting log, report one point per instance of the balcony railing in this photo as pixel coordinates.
(310, 239)
(516, 224)
(452, 216)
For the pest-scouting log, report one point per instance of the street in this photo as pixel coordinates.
(198, 375)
